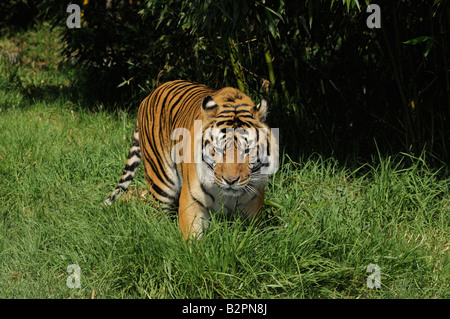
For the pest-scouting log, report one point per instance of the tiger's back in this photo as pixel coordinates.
(172, 105)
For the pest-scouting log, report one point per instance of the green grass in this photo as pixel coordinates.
(59, 160)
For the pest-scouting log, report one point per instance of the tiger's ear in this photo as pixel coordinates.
(209, 107)
(261, 110)
(208, 104)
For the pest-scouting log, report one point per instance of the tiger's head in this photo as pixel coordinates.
(239, 151)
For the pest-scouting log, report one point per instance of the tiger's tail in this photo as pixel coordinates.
(131, 166)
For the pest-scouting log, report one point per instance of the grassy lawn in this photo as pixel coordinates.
(60, 158)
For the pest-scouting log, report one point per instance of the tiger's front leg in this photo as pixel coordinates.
(192, 214)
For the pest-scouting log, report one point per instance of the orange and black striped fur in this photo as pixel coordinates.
(200, 152)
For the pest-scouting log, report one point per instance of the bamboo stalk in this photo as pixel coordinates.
(397, 77)
(235, 65)
(268, 58)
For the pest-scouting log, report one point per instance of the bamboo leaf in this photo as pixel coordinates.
(428, 47)
(125, 82)
(310, 13)
(422, 39)
(417, 40)
(274, 13)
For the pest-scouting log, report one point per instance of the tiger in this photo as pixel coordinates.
(204, 150)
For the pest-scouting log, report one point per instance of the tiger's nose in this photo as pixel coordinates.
(230, 180)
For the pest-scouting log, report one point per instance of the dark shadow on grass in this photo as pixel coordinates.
(88, 91)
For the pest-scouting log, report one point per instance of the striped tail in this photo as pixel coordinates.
(132, 164)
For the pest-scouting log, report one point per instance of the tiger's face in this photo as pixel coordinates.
(236, 144)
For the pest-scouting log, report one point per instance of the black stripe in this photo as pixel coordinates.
(209, 165)
(257, 137)
(234, 112)
(235, 106)
(256, 168)
(135, 152)
(135, 142)
(224, 116)
(197, 200)
(238, 96)
(227, 111)
(132, 167)
(236, 120)
(127, 179)
(192, 196)
(228, 123)
(242, 111)
(224, 130)
(245, 116)
(206, 192)
(162, 193)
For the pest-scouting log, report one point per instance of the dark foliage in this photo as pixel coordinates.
(18, 14)
(336, 86)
